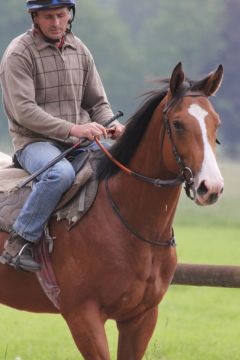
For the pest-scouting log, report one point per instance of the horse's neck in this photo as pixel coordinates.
(154, 155)
(146, 207)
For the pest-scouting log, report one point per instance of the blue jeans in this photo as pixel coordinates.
(47, 189)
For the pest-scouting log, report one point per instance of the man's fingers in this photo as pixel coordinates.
(95, 130)
(111, 131)
(118, 131)
(89, 130)
(100, 130)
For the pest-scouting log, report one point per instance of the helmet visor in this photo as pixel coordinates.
(38, 4)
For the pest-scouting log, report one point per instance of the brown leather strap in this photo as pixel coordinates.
(154, 181)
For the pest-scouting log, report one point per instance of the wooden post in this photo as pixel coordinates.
(207, 275)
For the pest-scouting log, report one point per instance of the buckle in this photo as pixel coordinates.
(172, 242)
(187, 175)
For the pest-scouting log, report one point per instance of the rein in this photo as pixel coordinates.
(154, 181)
(157, 182)
(185, 176)
(133, 231)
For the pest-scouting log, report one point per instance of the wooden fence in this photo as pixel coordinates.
(207, 275)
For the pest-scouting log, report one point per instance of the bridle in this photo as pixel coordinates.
(185, 176)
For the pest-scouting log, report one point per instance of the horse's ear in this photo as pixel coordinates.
(210, 85)
(177, 78)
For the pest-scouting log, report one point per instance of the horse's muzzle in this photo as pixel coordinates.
(207, 192)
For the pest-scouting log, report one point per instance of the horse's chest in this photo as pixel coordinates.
(152, 285)
(146, 287)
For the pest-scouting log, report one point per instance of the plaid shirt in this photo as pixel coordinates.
(46, 91)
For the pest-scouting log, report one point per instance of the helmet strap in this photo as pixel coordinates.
(71, 20)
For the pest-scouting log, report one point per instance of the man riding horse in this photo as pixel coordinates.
(53, 96)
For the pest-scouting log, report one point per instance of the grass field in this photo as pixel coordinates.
(196, 323)
(225, 212)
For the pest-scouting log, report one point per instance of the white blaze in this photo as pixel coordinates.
(209, 171)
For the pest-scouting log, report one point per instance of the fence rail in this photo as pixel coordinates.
(207, 275)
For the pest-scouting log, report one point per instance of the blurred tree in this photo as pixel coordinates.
(201, 35)
(109, 41)
(230, 107)
(136, 13)
(13, 21)
(138, 39)
(173, 31)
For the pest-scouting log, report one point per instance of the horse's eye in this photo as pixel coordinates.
(218, 142)
(178, 125)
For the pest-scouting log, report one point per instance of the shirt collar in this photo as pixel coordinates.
(41, 43)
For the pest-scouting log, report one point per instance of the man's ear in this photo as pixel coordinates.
(34, 19)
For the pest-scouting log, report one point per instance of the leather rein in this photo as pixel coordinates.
(185, 176)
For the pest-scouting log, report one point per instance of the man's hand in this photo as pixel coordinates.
(118, 130)
(89, 130)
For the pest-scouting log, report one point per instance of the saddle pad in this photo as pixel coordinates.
(5, 160)
(11, 178)
(73, 205)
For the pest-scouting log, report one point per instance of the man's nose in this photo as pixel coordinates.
(55, 20)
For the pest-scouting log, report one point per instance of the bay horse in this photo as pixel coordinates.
(119, 260)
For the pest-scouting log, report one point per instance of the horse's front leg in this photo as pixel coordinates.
(135, 334)
(87, 328)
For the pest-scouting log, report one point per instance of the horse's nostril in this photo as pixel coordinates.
(221, 191)
(202, 189)
(212, 198)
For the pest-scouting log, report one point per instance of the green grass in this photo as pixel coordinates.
(199, 322)
(225, 213)
(195, 323)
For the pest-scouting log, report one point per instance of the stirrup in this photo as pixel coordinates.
(15, 261)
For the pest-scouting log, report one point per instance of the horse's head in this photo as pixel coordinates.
(192, 124)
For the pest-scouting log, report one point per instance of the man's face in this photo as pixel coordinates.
(53, 22)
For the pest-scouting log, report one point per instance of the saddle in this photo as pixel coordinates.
(73, 204)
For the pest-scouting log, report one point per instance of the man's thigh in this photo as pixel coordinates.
(36, 155)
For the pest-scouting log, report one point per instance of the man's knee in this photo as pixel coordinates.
(63, 173)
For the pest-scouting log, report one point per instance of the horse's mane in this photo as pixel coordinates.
(125, 147)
